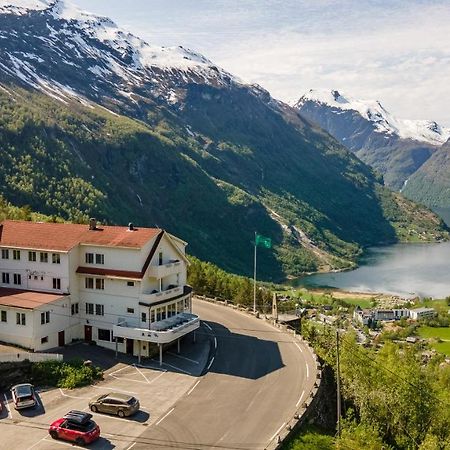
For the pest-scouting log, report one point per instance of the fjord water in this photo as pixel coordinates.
(402, 269)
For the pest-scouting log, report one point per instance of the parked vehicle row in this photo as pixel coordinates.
(78, 426)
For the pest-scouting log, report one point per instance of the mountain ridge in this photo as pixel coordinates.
(194, 151)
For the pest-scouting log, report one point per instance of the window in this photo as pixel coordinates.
(5, 253)
(89, 308)
(20, 319)
(56, 283)
(89, 258)
(119, 340)
(56, 258)
(130, 283)
(99, 283)
(99, 310)
(45, 317)
(89, 283)
(130, 310)
(143, 317)
(43, 257)
(99, 258)
(5, 278)
(32, 256)
(74, 308)
(4, 317)
(16, 255)
(44, 340)
(17, 278)
(152, 315)
(104, 335)
(160, 258)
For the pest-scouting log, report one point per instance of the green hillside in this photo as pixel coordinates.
(213, 173)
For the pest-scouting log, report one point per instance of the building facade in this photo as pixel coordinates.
(121, 287)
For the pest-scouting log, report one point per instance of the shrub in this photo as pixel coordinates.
(67, 375)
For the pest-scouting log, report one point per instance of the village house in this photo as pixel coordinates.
(123, 288)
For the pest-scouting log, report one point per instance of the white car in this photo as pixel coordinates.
(23, 396)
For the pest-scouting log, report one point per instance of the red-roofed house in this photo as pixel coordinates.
(122, 287)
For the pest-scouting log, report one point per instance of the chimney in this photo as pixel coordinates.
(130, 227)
(92, 223)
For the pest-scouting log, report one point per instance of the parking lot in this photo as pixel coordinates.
(157, 388)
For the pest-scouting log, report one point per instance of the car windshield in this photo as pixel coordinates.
(131, 401)
(23, 391)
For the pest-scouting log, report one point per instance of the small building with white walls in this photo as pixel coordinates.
(122, 287)
(421, 313)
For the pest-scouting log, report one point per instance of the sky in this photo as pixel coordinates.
(395, 51)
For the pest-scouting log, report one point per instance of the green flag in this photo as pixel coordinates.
(263, 241)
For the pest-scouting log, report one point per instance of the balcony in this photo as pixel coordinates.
(164, 270)
(162, 332)
(161, 296)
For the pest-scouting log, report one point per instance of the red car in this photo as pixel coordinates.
(75, 426)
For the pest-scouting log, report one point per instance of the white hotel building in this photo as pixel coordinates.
(122, 287)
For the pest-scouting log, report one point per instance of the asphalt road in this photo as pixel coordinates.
(257, 376)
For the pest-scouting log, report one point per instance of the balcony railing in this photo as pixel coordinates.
(162, 332)
(163, 295)
(164, 270)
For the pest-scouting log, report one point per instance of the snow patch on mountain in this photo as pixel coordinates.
(19, 7)
(372, 110)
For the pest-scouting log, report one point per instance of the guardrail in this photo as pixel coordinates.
(32, 357)
(303, 409)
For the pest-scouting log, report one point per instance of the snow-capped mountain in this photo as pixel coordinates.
(63, 42)
(384, 122)
(396, 148)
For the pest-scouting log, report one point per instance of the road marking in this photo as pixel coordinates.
(215, 343)
(7, 407)
(54, 441)
(72, 396)
(131, 446)
(106, 434)
(163, 417)
(183, 357)
(298, 346)
(176, 368)
(193, 387)
(37, 443)
(307, 370)
(113, 389)
(300, 399)
(210, 363)
(279, 429)
(130, 379)
(142, 373)
(207, 326)
(118, 370)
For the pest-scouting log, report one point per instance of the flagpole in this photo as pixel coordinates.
(254, 280)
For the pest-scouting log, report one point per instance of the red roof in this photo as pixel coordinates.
(64, 236)
(26, 299)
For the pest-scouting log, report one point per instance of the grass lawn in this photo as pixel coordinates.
(437, 332)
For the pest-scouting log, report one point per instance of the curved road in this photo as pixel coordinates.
(257, 376)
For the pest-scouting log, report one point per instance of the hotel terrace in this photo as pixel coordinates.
(122, 287)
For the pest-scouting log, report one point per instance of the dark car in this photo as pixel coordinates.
(23, 396)
(75, 426)
(115, 403)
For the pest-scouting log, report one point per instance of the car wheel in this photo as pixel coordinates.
(94, 409)
(121, 413)
(80, 442)
(54, 434)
